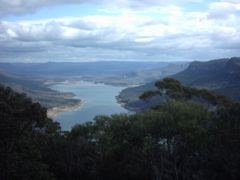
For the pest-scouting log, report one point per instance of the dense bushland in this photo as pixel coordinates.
(193, 134)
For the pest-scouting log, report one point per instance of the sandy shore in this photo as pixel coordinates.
(54, 112)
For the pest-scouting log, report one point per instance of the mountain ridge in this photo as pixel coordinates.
(80, 68)
(220, 75)
(142, 77)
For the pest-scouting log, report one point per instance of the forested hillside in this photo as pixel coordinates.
(221, 76)
(179, 139)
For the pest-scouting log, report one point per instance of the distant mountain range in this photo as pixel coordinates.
(30, 77)
(221, 76)
(102, 68)
(143, 77)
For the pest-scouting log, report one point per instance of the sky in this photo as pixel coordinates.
(118, 30)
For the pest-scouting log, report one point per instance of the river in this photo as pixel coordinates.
(100, 101)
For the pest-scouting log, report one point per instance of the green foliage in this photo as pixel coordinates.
(221, 76)
(130, 97)
(175, 90)
(23, 126)
(181, 140)
(178, 139)
(148, 94)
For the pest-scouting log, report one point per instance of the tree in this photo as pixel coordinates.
(23, 126)
(220, 158)
(224, 142)
(175, 90)
(178, 139)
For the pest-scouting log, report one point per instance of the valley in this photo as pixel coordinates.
(35, 79)
(96, 120)
(222, 76)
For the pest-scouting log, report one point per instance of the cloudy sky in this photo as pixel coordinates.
(111, 30)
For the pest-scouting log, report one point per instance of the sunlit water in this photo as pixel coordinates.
(100, 101)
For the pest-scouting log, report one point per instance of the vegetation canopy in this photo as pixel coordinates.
(193, 134)
(175, 90)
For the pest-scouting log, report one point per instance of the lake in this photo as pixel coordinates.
(100, 101)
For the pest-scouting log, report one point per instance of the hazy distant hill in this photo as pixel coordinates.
(45, 96)
(80, 68)
(221, 76)
(29, 77)
(143, 77)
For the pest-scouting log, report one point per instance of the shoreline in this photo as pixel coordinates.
(50, 83)
(119, 101)
(54, 112)
(116, 85)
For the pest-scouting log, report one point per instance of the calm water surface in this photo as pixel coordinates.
(100, 101)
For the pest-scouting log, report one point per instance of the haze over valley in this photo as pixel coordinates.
(113, 117)
(35, 79)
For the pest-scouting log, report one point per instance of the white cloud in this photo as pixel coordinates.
(232, 1)
(19, 7)
(163, 32)
(11, 33)
(221, 10)
(139, 5)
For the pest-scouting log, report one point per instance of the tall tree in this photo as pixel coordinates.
(23, 126)
(175, 90)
